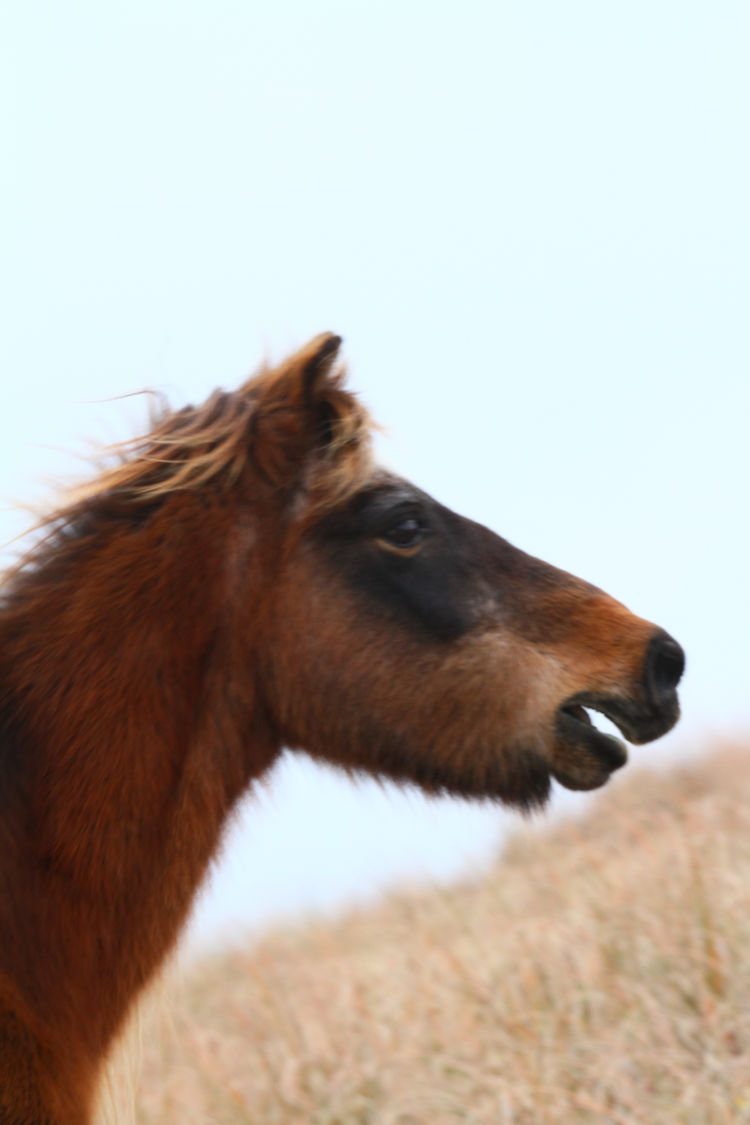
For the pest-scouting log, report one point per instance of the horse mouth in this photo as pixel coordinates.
(584, 757)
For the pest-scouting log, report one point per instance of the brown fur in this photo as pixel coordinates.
(174, 628)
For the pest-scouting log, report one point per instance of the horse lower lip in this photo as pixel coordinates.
(584, 757)
(582, 734)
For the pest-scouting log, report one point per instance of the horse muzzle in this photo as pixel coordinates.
(584, 757)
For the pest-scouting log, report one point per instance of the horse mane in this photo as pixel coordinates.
(247, 433)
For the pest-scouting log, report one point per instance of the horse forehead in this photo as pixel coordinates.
(304, 505)
(393, 487)
(381, 477)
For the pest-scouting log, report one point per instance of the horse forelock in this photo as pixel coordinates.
(223, 438)
(254, 433)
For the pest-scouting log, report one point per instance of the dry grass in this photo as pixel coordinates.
(600, 974)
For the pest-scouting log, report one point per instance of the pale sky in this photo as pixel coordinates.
(529, 221)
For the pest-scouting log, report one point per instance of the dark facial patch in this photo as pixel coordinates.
(439, 581)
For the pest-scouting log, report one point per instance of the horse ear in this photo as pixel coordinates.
(316, 361)
(299, 409)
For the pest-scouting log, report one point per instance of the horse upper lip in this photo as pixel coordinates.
(637, 721)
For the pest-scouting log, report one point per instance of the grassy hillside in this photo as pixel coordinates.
(601, 973)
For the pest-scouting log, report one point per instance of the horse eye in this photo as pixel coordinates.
(404, 534)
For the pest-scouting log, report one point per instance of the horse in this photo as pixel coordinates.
(242, 579)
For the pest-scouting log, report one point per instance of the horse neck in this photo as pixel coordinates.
(129, 736)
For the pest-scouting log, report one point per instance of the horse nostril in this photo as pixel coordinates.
(665, 663)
